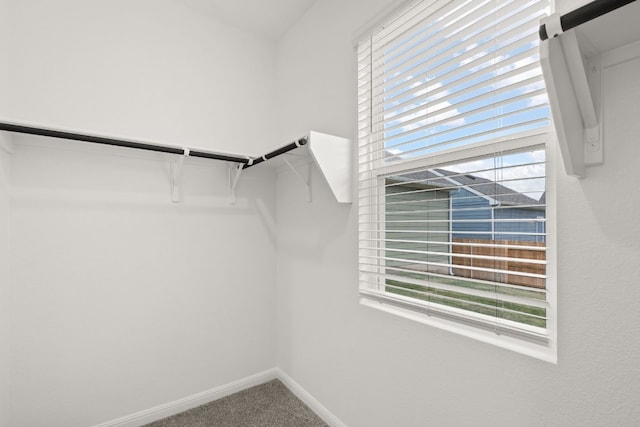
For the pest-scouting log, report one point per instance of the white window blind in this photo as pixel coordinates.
(453, 121)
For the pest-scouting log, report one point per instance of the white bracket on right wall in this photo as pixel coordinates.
(572, 64)
(573, 85)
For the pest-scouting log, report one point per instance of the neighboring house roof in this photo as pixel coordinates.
(494, 192)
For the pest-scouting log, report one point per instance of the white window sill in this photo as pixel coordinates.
(545, 350)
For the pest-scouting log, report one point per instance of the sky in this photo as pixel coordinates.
(461, 80)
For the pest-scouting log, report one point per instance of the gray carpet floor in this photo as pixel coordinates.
(266, 405)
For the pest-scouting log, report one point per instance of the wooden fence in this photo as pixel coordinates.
(474, 247)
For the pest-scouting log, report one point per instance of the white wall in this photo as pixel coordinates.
(152, 69)
(4, 56)
(5, 329)
(121, 300)
(373, 369)
(5, 344)
(566, 6)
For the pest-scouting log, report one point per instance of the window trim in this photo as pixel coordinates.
(540, 343)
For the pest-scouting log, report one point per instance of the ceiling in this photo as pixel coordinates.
(266, 18)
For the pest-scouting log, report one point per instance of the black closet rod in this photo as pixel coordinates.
(279, 151)
(584, 14)
(246, 162)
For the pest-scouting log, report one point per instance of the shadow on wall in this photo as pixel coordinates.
(313, 229)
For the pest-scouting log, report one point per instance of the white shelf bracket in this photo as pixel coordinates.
(573, 86)
(305, 180)
(580, 72)
(5, 142)
(234, 177)
(176, 167)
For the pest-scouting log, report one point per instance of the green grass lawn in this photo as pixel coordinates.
(525, 314)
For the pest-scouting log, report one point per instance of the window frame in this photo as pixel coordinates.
(502, 332)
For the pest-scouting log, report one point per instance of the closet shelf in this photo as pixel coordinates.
(575, 48)
(331, 154)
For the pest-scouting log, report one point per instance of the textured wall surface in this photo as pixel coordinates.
(5, 329)
(151, 69)
(373, 369)
(121, 300)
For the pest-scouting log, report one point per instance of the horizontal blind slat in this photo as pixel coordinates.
(438, 58)
(447, 265)
(531, 295)
(496, 245)
(481, 64)
(463, 140)
(461, 290)
(435, 297)
(479, 17)
(470, 58)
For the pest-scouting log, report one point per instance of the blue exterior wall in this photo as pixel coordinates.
(468, 207)
(527, 225)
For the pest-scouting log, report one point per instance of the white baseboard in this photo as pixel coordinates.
(181, 405)
(184, 404)
(309, 400)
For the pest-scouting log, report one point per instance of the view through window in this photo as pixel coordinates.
(453, 127)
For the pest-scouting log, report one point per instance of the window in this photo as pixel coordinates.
(453, 124)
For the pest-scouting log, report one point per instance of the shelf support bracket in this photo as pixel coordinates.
(571, 97)
(234, 177)
(6, 145)
(176, 167)
(305, 180)
(583, 92)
